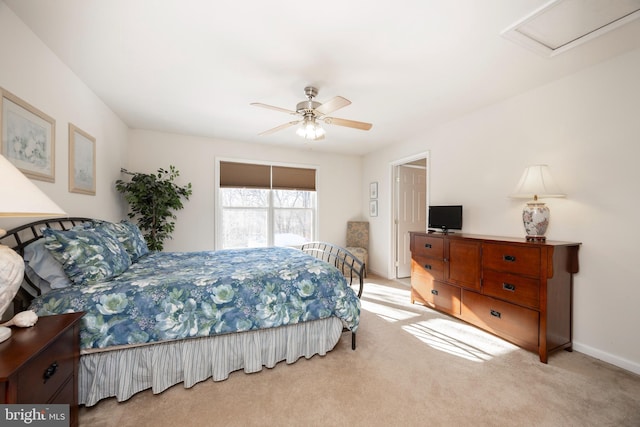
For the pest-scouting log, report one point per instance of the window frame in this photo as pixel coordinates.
(218, 208)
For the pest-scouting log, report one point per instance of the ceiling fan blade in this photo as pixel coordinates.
(278, 128)
(271, 107)
(347, 123)
(332, 105)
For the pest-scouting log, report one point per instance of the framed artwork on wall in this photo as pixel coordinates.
(373, 208)
(28, 137)
(373, 190)
(82, 161)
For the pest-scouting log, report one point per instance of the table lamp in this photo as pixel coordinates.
(19, 197)
(536, 182)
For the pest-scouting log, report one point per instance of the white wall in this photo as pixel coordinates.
(586, 127)
(340, 185)
(29, 70)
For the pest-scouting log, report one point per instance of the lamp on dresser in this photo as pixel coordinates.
(19, 197)
(536, 182)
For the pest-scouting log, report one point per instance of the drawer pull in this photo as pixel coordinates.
(427, 245)
(509, 287)
(509, 258)
(495, 313)
(50, 371)
(427, 266)
(434, 292)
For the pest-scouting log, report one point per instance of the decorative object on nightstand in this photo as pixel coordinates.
(536, 182)
(19, 197)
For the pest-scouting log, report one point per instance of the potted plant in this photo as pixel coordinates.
(153, 199)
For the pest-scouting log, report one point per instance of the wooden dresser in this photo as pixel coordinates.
(518, 290)
(39, 364)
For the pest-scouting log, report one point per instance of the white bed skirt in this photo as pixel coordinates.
(122, 373)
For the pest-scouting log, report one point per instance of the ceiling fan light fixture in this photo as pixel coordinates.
(310, 129)
(311, 112)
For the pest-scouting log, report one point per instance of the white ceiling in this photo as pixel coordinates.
(194, 66)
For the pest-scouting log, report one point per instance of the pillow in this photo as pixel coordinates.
(42, 284)
(129, 235)
(44, 265)
(87, 255)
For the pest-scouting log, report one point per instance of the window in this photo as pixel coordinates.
(263, 205)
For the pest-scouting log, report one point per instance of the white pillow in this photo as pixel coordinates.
(42, 284)
(45, 265)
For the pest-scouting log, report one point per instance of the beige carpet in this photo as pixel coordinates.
(413, 366)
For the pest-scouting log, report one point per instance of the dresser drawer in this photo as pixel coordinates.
(427, 246)
(437, 295)
(427, 268)
(518, 289)
(511, 259)
(514, 323)
(56, 362)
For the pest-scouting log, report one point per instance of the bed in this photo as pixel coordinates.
(156, 319)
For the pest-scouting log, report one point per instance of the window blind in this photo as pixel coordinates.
(285, 178)
(244, 175)
(247, 175)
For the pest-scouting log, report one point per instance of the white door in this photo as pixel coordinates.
(412, 212)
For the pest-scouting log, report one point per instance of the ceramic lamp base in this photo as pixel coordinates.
(535, 217)
(5, 333)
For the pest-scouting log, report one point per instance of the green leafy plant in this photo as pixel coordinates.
(153, 200)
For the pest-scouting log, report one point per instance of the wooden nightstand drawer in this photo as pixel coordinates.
(65, 395)
(513, 288)
(512, 322)
(47, 372)
(511, 259)
(427, 246)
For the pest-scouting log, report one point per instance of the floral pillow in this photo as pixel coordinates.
(87, 255)
(129, 235)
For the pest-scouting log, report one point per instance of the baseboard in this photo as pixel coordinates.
(608, 357)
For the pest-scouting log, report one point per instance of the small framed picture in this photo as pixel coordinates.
(82, 161)
(373, 190)
(373, 208)
(28, 137)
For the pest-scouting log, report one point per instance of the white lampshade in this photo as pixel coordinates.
(536, 182)
(19, 197)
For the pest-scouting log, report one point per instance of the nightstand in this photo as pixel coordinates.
(40, 364)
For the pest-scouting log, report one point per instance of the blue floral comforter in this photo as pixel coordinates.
(175, 295)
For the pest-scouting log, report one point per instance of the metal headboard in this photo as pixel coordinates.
(18, 238)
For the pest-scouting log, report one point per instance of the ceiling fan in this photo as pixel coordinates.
(311, 112)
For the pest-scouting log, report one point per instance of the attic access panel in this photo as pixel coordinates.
(563, 24)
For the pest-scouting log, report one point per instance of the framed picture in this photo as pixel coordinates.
(82, 161)
(373, 190)
(373, 208)
(28, 137)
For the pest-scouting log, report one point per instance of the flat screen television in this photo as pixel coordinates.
(445, 218)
